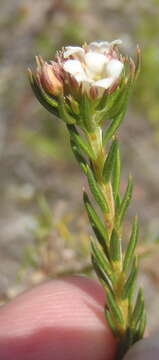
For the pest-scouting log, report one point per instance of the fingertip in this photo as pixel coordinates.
(61, 320)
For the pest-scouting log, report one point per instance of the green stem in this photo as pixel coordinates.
(95, 140)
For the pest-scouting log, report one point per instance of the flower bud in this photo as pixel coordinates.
(50, 82)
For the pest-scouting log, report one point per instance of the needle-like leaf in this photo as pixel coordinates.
(96, 191)
(109, 162)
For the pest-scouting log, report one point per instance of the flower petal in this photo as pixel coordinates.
(114, 68)
(95, 62)
(75, 68)
(104, 83)
(81, 77)
(70, 50)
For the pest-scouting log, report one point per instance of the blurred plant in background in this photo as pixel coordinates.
(147, 94)
(56, 250)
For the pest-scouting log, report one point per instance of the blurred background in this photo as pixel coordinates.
(44, 229)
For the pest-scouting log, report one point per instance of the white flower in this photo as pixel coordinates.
(94, 65)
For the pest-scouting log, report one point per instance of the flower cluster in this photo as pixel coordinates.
(94, 67)
(79, 77)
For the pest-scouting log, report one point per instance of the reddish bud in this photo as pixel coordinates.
(50, 82)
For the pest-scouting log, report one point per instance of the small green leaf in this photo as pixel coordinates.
(117, 203)
(129, 286)
(139, 331)
(113, 127)
(63, 111)
(125, 202)
(116, 173)
(81, 160)
(132, 245)
(111, 322)
(101, 274)
(102, 260)
(122, 101)
(97, 225)
(142, 325)
(86, 110)
(109, 163)
(115, 310)
(138, 310)
(115, 246)
(80, 142)
(102, 102)
(74, 105)
(96, 191)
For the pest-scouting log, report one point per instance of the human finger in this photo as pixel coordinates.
(61, 320)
